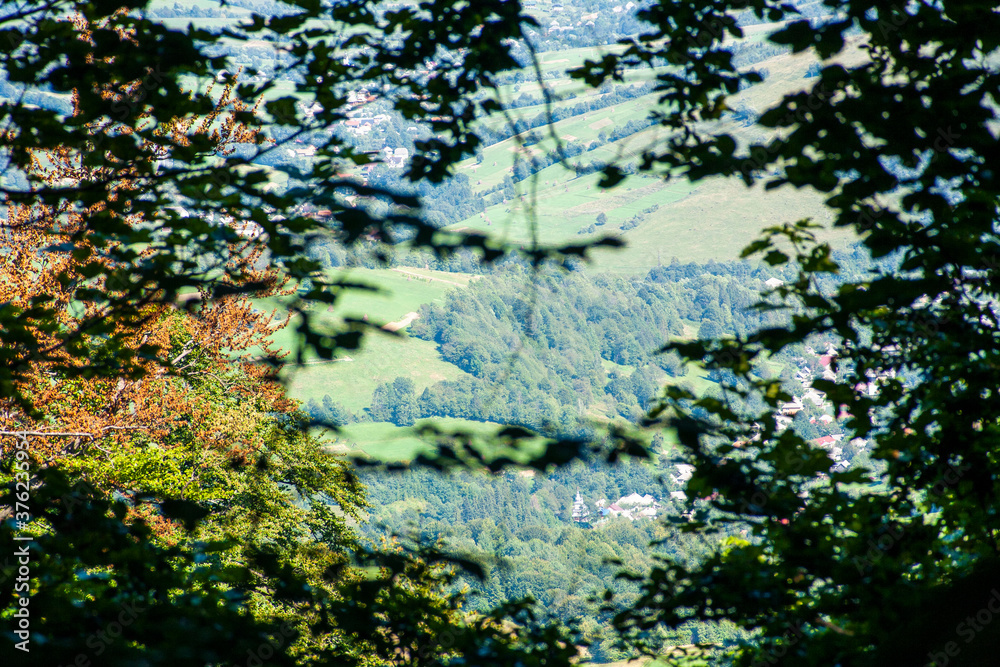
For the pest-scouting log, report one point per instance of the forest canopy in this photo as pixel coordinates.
(152, 462)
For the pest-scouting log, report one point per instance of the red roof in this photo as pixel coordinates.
(825, 441)
(825, 360)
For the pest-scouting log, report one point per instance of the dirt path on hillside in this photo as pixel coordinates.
(326, 361)
(420, 275)
(399, 324)
(609, 203)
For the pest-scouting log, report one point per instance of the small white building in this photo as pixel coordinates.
(684, 472)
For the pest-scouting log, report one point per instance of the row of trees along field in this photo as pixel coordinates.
(169, 503)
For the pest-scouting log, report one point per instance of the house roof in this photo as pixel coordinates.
(636, 499)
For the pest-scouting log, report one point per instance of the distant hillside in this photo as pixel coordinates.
(535, 176)
(527, 191)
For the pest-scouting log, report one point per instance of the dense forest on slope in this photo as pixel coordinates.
(519, 527)
(567, 348)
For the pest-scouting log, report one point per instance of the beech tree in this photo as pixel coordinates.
(149, 466)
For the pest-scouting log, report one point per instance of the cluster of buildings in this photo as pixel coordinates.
(632, 507)
(583, 21)
(245, 228)
(618, 9)
(817, 364)
(360, 121)
(808, 372)
(805, 375)
(395, 157)
(359, 125)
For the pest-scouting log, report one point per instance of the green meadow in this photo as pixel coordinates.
(708, 220)
(393, 294)
(383, 356)
(387, 442)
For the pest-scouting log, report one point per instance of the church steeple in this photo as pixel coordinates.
(580, 512)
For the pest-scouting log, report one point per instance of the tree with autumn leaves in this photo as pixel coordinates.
(191, 496)
(174, 507)
(190, 430)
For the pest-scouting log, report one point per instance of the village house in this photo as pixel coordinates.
(631, 507)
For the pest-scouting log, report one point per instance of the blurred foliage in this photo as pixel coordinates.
(891, 564)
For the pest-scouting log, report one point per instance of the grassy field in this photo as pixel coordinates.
(395, 294)
(713, 219)
(353, 376)
(388, 442)
(382, 358)
(401, 291)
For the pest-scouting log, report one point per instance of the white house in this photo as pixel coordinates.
(684, 472)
